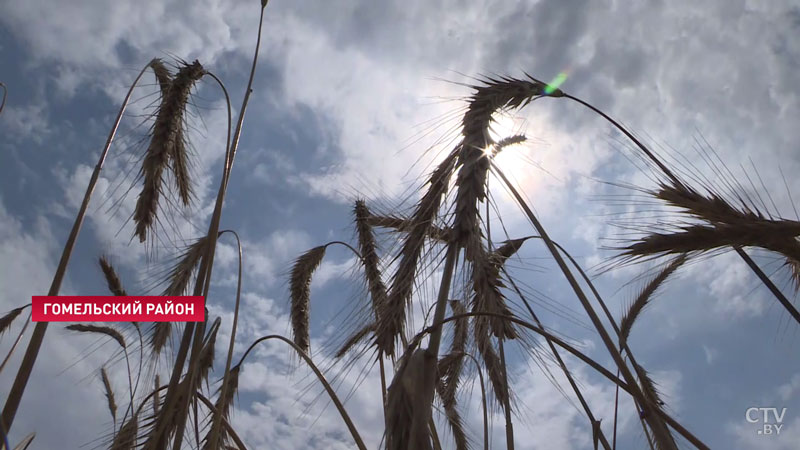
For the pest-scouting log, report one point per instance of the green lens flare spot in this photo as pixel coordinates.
(557, 81)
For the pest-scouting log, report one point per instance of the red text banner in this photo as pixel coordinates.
(118, 309)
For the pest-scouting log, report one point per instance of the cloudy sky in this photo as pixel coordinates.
(358, 98)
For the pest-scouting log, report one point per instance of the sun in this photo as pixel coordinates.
(515, 159)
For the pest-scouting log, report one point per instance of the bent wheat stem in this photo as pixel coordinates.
(331, 393)
(662, 434)
(5, 93)
(32, 352)
(224, 423)
(677, 183)
(625, 386)
(204, 273)
(16, 342)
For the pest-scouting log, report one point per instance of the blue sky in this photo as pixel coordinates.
(348, 97)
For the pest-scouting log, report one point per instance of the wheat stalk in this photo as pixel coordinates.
(794, 272)
(224, 423)
(403, 225)
(125, 439)
(483, 341)
(369, 255)
(114, 283)
(649, 389)
(26, 367)
(225, 403)
(489, 97)
(159, 336)
(163, 76)
(217, 419)
(393, 317)
(493, 95)
(627, 387)
(167, 144)
(658, 427)
(408, 408)
(156, 396)
(5, 321)
(486, 285)
(207, 353)
(320, 377)
(354, 339)
(16, 342)
(223, 407)
(645, 295)
(505, 251)
(108, 331)
(677, 183)
(724, 226)
(112, 404)
(450, 365)
(172, 398)
(5, 93)
(449, 374)
(300, 290)
(178, 279)
(777, 236)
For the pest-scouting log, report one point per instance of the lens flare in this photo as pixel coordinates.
(557, 81)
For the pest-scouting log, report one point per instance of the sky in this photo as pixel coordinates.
(359, 98)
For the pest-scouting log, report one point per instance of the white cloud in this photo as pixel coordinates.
(732, 286)
(748, 437)
(26, 122)
(27, 256)
(711, 354)
(328, 271)
(360, 68)
(93, 33)
(269, 259)
(790, 389)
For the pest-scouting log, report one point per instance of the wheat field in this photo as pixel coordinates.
(491, 292)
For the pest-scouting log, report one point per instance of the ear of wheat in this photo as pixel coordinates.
(114, 283)
(166, 145)
(300, 287)
(112, 404)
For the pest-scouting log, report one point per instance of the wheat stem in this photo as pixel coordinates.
(5, 93)
(156, 438)
(224, 423)
(431, 353)
(483, 401)
(217, 419)
(632, 389)
(662, 434)
(677, 183)
(506, 396)
(570, 379)
(112, 404)
(331, 393)
(8, 319)
(35, 343)
(167, 144)
(623, 343)
(644, 297)
(393, 319)
(769, 284)
(214, 227)
(16, 342)
(112, 279)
